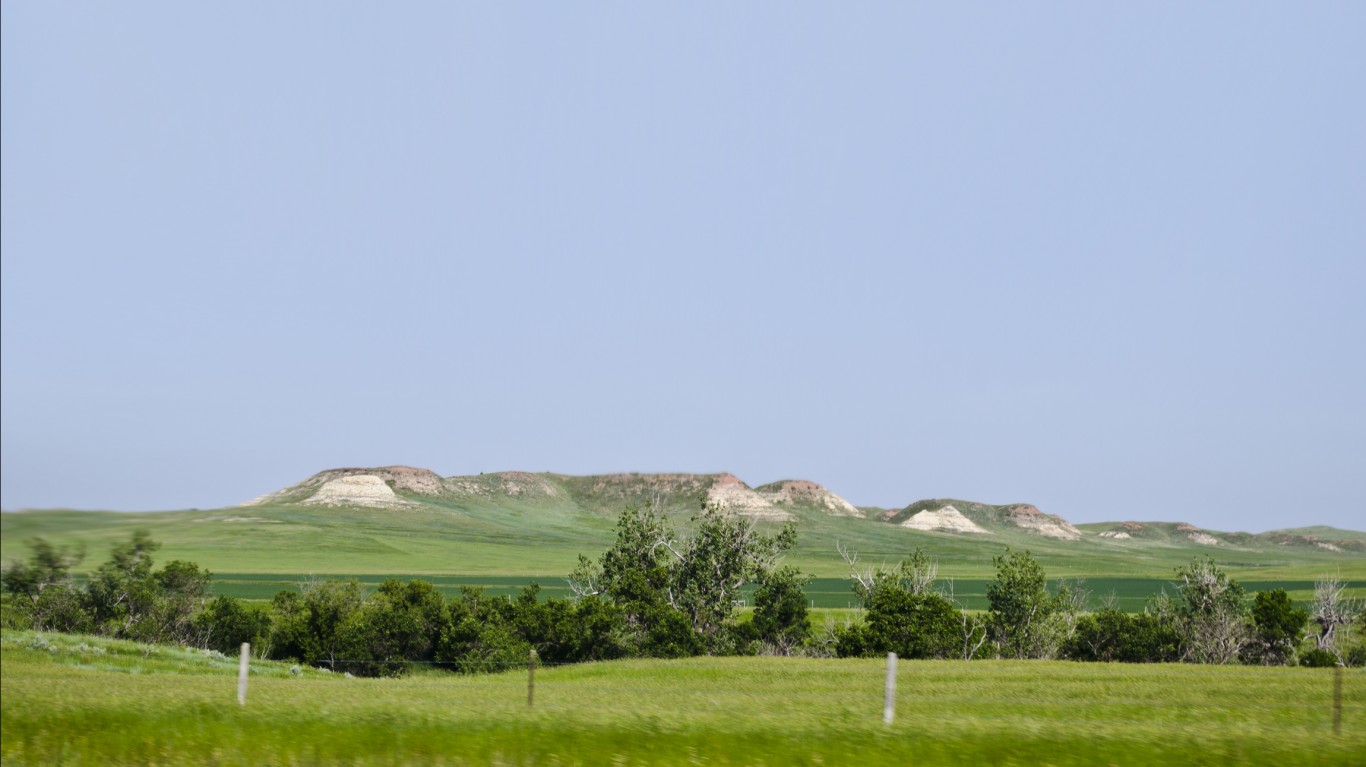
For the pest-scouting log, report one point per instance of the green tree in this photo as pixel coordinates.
(726, 553)
(1278, 628)
(288, 626)
(1209, 613)
(656, 578)
(1024, 619)
(182, 589)
(42, 589)
(904, 613)
(479, 635)
(780, 608)
(319, 625)
(225, 623)
(1110, 635)
(908, 624)
(49, 566)
(400, 622)
(122, 593)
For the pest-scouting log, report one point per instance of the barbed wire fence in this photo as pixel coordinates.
(493, 674)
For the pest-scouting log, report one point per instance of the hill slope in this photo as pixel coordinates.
(399, 519)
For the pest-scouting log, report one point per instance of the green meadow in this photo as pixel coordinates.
(84, 701)
(543, 542)
(255, 552)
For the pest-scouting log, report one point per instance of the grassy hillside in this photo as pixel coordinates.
(84, 701)
(538, 539)
(536, 525)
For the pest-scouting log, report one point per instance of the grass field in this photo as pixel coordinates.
(258, 551)
(83, 701)
(545, 542)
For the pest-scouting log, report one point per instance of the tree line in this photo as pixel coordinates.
(657, 594)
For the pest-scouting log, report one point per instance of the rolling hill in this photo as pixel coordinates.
(404, 520)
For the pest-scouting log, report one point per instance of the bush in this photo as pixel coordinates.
(1278, 628)
(1113, 636)
(479, 637)
(780, 610)
(1355, 657)
(225, 624)
(912, 626)
(1318, 658)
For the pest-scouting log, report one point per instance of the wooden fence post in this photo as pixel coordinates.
(1337, 699)
(242, 669)
(531, 680)
(889, 696)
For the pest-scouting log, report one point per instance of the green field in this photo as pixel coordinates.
(84, 701)
(543, 542)
(255, 552)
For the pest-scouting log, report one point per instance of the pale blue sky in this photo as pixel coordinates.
(1105, 258)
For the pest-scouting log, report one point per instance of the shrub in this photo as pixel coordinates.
(780, 610)
(1355, 657)
(1112, 636)
(1278, 628)
(225, 624)
(1318, 658)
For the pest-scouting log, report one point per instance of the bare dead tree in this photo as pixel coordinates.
(1071, 600)
(972, 630)
(586, 579)
(862, 576)
(919, 573)
(825, 638)
(1333, 609)
(916, 575)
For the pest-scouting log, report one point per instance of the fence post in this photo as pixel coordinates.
(1337, 699)
(889, 696)
(242, 669)
(531, 680)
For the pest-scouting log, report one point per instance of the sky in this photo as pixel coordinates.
(1108, 259)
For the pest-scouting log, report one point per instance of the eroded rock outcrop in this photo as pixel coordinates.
(801, 492)
(731, 493)
(945, 519)
(356, 490)
(1030, 518)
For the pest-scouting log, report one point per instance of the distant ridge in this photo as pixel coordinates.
(406, 487)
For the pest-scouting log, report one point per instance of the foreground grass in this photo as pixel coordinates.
(66, 702)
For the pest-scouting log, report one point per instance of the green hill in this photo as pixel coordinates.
(405, 521)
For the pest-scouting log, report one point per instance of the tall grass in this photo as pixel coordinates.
(65, 702)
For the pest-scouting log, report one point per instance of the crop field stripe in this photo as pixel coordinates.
(1130, 594)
